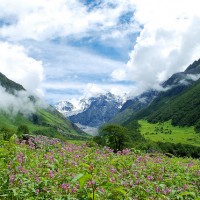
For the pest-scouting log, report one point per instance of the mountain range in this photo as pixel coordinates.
(93, 111)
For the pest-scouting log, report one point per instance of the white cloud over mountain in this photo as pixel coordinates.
(168, 42)
(160, 36)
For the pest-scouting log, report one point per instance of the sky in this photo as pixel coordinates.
(68, 49)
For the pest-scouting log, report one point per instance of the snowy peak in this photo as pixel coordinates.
(64, 106)
(92, 111)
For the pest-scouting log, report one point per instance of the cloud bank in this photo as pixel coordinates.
(42, 20)
(19, 67)
(168, 42)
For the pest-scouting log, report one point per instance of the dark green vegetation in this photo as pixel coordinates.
(43, 168)
(44, 120)
(182, 109)
(119, 137)
(180, 104)
(113, 136)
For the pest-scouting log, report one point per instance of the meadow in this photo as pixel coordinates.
(165, 132)
(43, 168)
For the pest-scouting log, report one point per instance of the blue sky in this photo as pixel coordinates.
(64, 49)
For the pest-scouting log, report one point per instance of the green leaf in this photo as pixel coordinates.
(85, 165)
(191, 194)
(105, 184)
(77, 177)
(84, 179)
(15, 192)
(120, 190)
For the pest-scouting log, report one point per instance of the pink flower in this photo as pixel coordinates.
(150, 178)
(112, 180)
(37, 191)
(91, 183)
(65, 186)
(12, 178)
(137, 181)
(157, 189)
(51, 174)
(102, 190)
(139, 159)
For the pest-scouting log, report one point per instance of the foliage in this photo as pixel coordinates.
(43, 168)
(114, 136)
(6, 133)
(22, 129)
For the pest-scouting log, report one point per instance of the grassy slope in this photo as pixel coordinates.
(50, 124)
(184, 135)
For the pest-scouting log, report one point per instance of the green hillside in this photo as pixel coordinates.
(122, 117)
(44, 121)
(182, 109)
(165, 132)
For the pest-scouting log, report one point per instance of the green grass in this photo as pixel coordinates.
(50, 123)
(184, 135)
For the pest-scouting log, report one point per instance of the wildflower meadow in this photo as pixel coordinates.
(43, 168)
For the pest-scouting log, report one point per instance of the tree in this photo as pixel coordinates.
(114, 136)
(6, 132)
(22, 130)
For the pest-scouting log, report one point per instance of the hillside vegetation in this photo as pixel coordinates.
(182, 110)
(43, 122)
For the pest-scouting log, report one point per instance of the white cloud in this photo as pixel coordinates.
(17, 66)
(41, 20)
(168, 43)
(119, 75)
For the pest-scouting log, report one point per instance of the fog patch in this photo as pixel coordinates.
(19, 102)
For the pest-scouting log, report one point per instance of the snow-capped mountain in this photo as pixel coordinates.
(68, 108)
(64, 106)
(93, 111)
